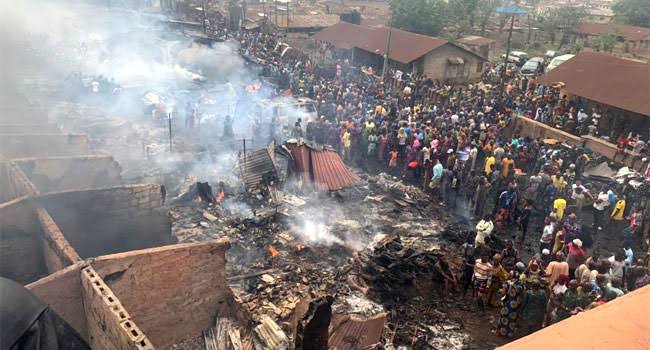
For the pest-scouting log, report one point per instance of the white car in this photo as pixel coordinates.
(558, 61)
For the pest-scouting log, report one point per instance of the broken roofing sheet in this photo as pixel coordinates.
(323, 166)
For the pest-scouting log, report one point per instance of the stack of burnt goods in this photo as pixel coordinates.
(395, 269)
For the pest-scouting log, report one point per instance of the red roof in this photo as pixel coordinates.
(330, 174)
(324, 167)
(630, 33)
(606, 79)
(405, 47)
(622, 323)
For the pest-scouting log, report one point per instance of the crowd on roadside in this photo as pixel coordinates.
(458, 143)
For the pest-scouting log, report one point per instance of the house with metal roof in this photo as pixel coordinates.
(409, 52)
(636, 39)
(619, 87)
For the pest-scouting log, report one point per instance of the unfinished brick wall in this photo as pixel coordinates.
(14, 183)
(57, 252)
(19, 113)
(29, 128)
(42, 145)
(62, 292)
(21, 251)
(173, 292)
(105, 221)
(56, 174)
(109, 325)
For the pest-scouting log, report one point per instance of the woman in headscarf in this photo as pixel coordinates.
(512, 290)
(532, 310)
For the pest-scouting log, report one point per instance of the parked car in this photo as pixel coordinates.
(517, 57)
(558, 61)
(533, 66)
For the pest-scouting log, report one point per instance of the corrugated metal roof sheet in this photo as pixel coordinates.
(257, 165)
(305, 21)
(405, 47)
(324, 168)
(330, 174)
(356, 332)
(630, 33)
(302, 161)
(606, 79)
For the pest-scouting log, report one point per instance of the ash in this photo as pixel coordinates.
(372, 247)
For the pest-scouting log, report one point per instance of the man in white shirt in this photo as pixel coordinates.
(600, 203)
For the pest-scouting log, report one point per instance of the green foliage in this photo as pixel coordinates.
(565, 18)
(419, 16)
(484, 10)
(632, 12)
(607, 42)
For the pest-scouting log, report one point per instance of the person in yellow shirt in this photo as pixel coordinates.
(505, 165)
(559, 205)
(489, 161)
(558, 182)
(619, 208)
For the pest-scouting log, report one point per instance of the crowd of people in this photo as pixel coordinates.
(457, 143)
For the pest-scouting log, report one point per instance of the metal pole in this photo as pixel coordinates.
(505, 60)
(385, 68)
(169, 119)
(287, 28)
(205, 29)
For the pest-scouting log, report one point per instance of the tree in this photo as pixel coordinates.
(462, 13)
(564, 18)
(607, 42)
(485, 9)
(419, 16)
(632, 12)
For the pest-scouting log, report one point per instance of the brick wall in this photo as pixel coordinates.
(62, 292)
(41, 145)
(66, 173)
(109, 325)
(172, 292)
(58, 253)
(21, 252)
(29, 129)
(105, 221)
(436, 64)
(22, 114)
(118, 200)
(535, 129)
(14, 183)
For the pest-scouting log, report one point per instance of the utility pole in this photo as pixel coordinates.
(385, 67)
(205, 29)
(510, 10)
(287, 28)
(505, 60)
(169, 119)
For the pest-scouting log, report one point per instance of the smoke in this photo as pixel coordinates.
(105, 72)
(317, 233)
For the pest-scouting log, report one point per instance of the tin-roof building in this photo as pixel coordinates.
(409, 52)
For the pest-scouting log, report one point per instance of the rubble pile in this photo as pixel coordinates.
(385, 239)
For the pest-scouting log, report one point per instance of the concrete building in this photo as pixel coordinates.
(409, 52)
(630, 38)
(477, 44)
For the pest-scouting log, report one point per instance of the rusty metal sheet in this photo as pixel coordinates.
(356, 332)
(405, 47)
(330, 173)
(629, 33)
(605, 79)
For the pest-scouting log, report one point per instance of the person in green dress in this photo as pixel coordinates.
(532, 310)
